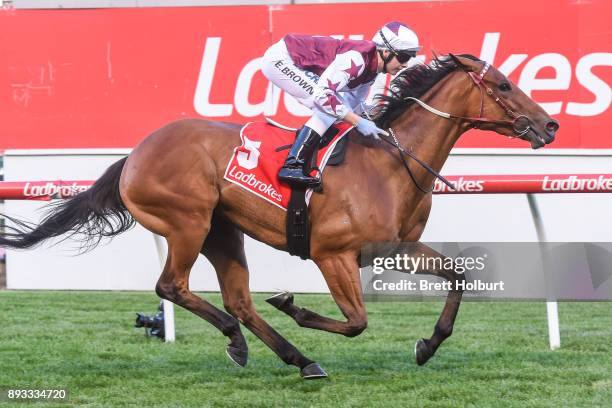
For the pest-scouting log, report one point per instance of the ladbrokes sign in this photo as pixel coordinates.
(109, 77)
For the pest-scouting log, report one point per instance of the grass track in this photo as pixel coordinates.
(497, 356)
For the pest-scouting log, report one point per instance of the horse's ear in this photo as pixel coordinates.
(460, 64)
(457, 61)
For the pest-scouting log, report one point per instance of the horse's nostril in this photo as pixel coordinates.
(552, 126)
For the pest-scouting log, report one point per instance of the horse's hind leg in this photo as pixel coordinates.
(184, 245)
(224, 247)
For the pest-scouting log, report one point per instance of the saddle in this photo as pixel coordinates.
(339, 152)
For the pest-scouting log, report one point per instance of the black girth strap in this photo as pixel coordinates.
(298, 224)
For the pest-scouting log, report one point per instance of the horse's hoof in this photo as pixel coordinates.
(238, 356)
(313, 371)
(280, 299)
(422, 352)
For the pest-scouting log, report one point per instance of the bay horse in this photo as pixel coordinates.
(172, 183)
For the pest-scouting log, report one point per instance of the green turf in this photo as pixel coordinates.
(497, 356)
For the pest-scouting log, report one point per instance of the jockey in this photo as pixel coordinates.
(332, 77)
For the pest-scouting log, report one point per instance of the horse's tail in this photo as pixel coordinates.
(93, 214)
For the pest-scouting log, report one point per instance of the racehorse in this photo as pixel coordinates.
(172, 183)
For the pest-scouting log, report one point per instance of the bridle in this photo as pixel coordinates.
(476, 122)
(478, 79)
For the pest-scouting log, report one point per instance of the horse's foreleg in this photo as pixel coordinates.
(424, 349)
(184, 244)
(341, 272)
(224, 248)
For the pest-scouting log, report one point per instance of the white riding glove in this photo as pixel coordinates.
(369, 129)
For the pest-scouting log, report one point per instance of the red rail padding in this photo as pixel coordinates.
(529, 183)
(42, 190)
(490, 184)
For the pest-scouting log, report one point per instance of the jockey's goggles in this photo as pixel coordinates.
(404, 56)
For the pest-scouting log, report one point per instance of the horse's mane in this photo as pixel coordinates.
(414, 82)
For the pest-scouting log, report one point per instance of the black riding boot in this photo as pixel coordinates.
(295, 169)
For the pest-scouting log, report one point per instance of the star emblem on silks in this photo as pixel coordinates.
(332, 101)
(333, 86)
(353, 71)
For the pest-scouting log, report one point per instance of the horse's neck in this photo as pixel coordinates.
(431, 137)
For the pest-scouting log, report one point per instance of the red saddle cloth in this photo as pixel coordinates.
(255, 163)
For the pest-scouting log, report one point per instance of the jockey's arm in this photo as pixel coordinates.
(355, 99)
(333, 80)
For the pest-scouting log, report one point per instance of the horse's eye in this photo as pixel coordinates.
(504, 87)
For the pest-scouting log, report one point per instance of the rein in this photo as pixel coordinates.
(403, 152)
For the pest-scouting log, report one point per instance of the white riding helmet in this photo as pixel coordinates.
(397, 37)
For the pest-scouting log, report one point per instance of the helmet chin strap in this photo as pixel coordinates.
(385, 60)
